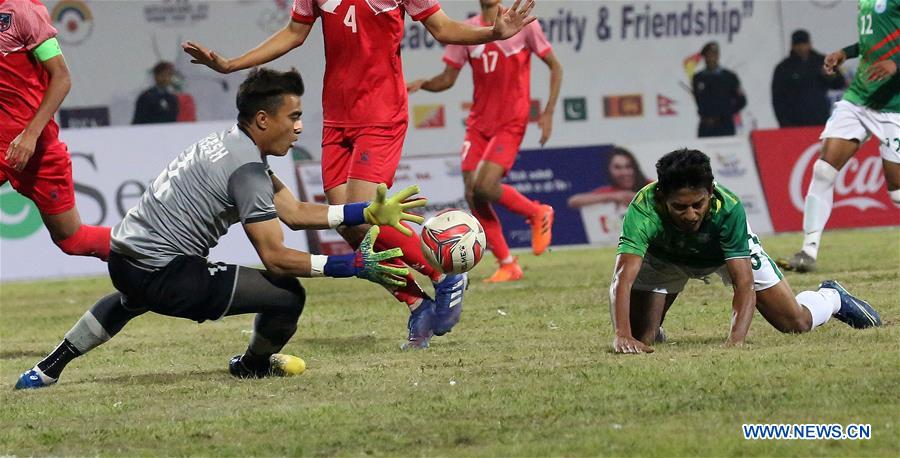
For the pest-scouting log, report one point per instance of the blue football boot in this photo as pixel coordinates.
(854, 311)
(448, 298)
(32, 379)
(420, 325)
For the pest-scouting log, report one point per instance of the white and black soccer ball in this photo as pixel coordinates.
(453, 241)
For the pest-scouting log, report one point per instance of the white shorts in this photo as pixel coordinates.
(663, 277)
(853, 122)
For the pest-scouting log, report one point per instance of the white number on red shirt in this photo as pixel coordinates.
(350, 18)
(489, 59)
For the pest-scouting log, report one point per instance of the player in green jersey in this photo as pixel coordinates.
(871, 107)
(686, 226)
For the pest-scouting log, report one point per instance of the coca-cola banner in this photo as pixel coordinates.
(785, 159)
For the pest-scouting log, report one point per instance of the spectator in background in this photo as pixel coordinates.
(718, 94)
(800, 85)
(158, 103)
(625, 178)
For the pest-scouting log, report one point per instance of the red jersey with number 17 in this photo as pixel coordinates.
(24, 24)
(501, 72)
(364, 83)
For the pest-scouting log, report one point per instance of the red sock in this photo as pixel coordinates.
(411, 294)
(515, 202)
(412, 249)
(492, 230)
(87, 241)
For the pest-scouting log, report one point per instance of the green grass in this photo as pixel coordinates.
(537, 379)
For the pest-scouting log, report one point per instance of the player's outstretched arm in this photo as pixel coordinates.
(744, 301)
(510, 22)
(438, 83)
(387, 211)
(556, 74)
(627, 268)
(277, 45)
(22, 147)
(268, 240)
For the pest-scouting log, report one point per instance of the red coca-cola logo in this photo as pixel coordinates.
(785, 159)
(856, 185)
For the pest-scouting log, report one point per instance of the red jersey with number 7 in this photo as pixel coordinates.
(24, 24)
(364, 83)
(501, 73)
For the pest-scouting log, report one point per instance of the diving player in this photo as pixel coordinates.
(687, 226)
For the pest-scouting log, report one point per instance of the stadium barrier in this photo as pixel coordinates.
(785, 159)
(112, 166)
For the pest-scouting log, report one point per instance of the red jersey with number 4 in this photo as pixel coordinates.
(364, 83)
(24, 24)
(501, 71)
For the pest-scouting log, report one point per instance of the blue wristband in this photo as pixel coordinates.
(354, 214)
(341, 266)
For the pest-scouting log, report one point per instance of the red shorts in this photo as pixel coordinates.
(500, 148)
(368, 153)
(47, 179)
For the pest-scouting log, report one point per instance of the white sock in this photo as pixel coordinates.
(821, 304)
(895, 197)
(817, 208)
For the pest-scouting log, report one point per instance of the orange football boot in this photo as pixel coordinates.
(506, 272)
(541, 229)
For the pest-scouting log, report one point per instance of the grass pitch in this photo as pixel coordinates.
(528, 372)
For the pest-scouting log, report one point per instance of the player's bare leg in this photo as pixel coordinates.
(819, 201)
(489, 186)
(482, 189)
(647, 312)
(892, 177)
(75, 238)
(782, 310)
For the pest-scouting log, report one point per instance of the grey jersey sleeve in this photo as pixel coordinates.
(251, 189)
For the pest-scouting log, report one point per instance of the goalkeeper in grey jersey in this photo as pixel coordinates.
(158, 252)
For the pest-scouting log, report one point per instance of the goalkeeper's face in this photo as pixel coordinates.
(284, 126)
(687, 207)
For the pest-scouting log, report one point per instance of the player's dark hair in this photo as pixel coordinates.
(683, 168)
(639, 179)
(263, 90)
(708, 47)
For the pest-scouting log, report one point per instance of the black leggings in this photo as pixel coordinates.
(277, 301)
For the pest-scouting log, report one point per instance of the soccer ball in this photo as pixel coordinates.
(453, 241)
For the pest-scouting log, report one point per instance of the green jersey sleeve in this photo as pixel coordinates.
(733, 235)
(640, 226)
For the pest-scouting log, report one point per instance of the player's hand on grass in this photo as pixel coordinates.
(834, 60)
(882, 70)
(415, 85)
(370, 266)
(391, 211)
(204, 56)
(546, 124)
(20, 151)
(628, 344)
(512, 20)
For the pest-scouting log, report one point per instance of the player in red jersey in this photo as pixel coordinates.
(34, 80)
(366, 116)
(502, 75)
